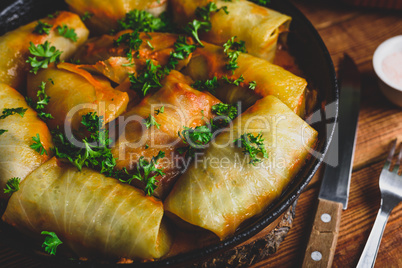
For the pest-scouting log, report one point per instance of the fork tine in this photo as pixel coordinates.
(398, 160)
(388, 162)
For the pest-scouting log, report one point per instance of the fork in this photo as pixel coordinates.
(391, 194)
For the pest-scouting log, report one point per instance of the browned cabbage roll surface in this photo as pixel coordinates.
(183, 106)
(270, 79)
(258, 26)
(105, 13)
(14, 46)
(222, 189)
(17, 158)
(102, 55)
(74, 92)
(94, 215)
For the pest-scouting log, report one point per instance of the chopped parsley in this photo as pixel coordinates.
(11, 111)
(46, 53)
(12, 185)
(143, 21)
(228, 110)
(68, 33)
(232, 49)
(261, 2)
(37, 145)
(252, 85)
(209, 85)
(148, 79)
(42, 28)
(87, 15)
(131, 40)
(43, 100)
(203, 21)
(182, 51)
(160, 111)
(51, 242)
(246, 142)
(236, 82)
(145, 170)
(196, 138)
(150, 121)
(2, 131)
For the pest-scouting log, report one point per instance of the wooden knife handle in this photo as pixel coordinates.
(324, 235)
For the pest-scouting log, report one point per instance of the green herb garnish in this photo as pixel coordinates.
(150, 121)
(196, 138)
(147, 173)
(11, 111)
(42, 28)
(232, 49)
(209, 85)
(143, 21)
(182, 51)
(37, 145)
(12, 185)
(87, 15)
(46, 53)
(246, 142)
(51, 242)
(2, 131)
(68, 33)
(148, 79)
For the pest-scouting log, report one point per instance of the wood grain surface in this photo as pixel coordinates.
(357, 31)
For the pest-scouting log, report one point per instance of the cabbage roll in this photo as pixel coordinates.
(95, 216)
(154, 46)
(17, 158)
(14, 46)
(258, 26)
(183, 107)
(104, 14)
(270, 79)
(223, 189)
(74, 92)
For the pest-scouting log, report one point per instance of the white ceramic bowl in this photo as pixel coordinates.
(390, 89)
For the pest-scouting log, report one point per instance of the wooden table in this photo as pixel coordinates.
(358, 32)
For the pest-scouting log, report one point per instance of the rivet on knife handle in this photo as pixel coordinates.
(324, 235)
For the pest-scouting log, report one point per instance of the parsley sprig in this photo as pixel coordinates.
(209, 85)
(37, 145)
(148, 79)
(181, 52)
(232, 49)
(131, 40)
(67, 32)
(253, 146)
(46, 53)
(11, 111)
(43, 101)
(12, 185)
(202, 21)
(147, 173)
(42, 28)
(143, 21)
(150, 121)
(196, 138)
(2, 131)
(261, 2)
(51, 242)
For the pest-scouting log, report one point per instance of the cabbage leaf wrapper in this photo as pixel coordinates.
(14, 46)
(73, 93)
(95, 216)
(270, 79)
(17, 158)
(183, 107)
(222, 189)
(105, 14)
(258, 26)
(154, 46)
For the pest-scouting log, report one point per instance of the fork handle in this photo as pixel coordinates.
(370, 251)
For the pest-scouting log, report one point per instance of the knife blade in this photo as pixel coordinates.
(335, 184)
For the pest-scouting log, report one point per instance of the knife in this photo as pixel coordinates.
(335, 184)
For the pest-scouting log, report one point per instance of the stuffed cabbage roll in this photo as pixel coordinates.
(17, 158)
(95, 216)
(226, 186)
(74, 92)
(154, 46)
(183, 106)
(258, 26)
(105, 14)
(14, 46)
(270, 79)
